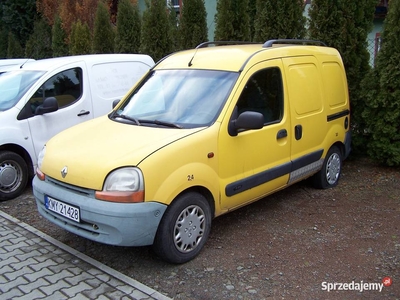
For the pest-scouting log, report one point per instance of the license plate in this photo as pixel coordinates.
(63, 209)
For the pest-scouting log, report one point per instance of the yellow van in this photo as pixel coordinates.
(205, 132)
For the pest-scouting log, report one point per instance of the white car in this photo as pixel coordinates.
(43, 97)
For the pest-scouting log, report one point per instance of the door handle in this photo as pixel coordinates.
(281, 134)
(298, 132)
(83, 113)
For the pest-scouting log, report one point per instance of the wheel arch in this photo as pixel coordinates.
(202, 191)
(21, 151)
(341, 147)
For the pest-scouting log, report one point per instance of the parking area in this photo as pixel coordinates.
(293, 244)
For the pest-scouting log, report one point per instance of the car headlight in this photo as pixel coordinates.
(41, 157)
(123, 185)
(39, 172)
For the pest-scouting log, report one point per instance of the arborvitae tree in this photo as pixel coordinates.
(14, 49)
(59, 39)
(281, 19)
(193, 24)
(173, 35)
(345, 25)
(232, 21)
(80, 39)
(39, 43)
(49, 9)
(69, 12)
(3, 43)
(18, 17)
(327, 22)
(381, 92)
(127, 39)
(252, 11)
(103, 33)
(3, 36)
(114, 8)
(155, 39)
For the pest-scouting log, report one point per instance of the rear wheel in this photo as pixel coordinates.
(329, 175)
(184, 229)
(13, 175)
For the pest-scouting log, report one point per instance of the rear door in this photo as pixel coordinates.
(256, 162)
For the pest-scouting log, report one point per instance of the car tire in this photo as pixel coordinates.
(329, 175)
(184, 229)
(13, 175)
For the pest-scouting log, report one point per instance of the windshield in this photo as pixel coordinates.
(178, 98)
(14, 84)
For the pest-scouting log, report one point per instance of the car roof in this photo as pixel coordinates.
(53, 63)
(13, 61)
(235, 57)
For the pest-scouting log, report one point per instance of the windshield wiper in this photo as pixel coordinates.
(136, 121)
(162, 123)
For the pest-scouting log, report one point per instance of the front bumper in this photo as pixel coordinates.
(120, 224)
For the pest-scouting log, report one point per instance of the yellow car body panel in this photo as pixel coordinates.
(98, 150)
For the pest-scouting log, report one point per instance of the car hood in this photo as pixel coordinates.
(93, 149)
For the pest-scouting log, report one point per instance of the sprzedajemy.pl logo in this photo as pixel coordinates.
(356, 286)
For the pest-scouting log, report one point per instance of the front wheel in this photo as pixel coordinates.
(184, 229)
(13, 175)
(329, 175)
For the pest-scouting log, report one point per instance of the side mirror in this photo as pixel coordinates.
(115, 103)
(49, 105)
(247, 120)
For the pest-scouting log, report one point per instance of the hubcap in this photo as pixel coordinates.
(333, 168)
(10, 177)
(189, 228)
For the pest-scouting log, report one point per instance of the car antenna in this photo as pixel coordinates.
(197, 48)
(216, 43)
(190, 62)
(24, 63)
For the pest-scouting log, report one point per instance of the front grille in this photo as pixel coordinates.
(72, 188)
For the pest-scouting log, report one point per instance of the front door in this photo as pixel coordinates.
(73, 101)
(256, 162)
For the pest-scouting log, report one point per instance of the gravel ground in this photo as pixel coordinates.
(294, 244)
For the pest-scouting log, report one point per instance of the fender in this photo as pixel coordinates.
(186, 177)
(335, 134)
(16, 135)
(190, 161)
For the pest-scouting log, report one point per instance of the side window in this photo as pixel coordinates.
(65, 86)
(263, 93)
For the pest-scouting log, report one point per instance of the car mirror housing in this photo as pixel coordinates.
(246, 121)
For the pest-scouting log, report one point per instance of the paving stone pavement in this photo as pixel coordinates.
(33, 265)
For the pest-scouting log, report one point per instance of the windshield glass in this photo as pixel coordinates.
(178, 98)
(14, 84)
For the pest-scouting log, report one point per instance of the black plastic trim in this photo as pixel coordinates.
(306, 160)
(258, 179)
(338, 115)
(270, 43)
(271, 174)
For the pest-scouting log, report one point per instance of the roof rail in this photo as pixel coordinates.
(270, 43)
(219, 43)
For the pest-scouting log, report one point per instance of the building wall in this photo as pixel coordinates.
(211, 9)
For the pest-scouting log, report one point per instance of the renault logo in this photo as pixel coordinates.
(64, 171)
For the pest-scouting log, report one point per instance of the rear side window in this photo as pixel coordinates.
(65, 86)
(263, 93)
